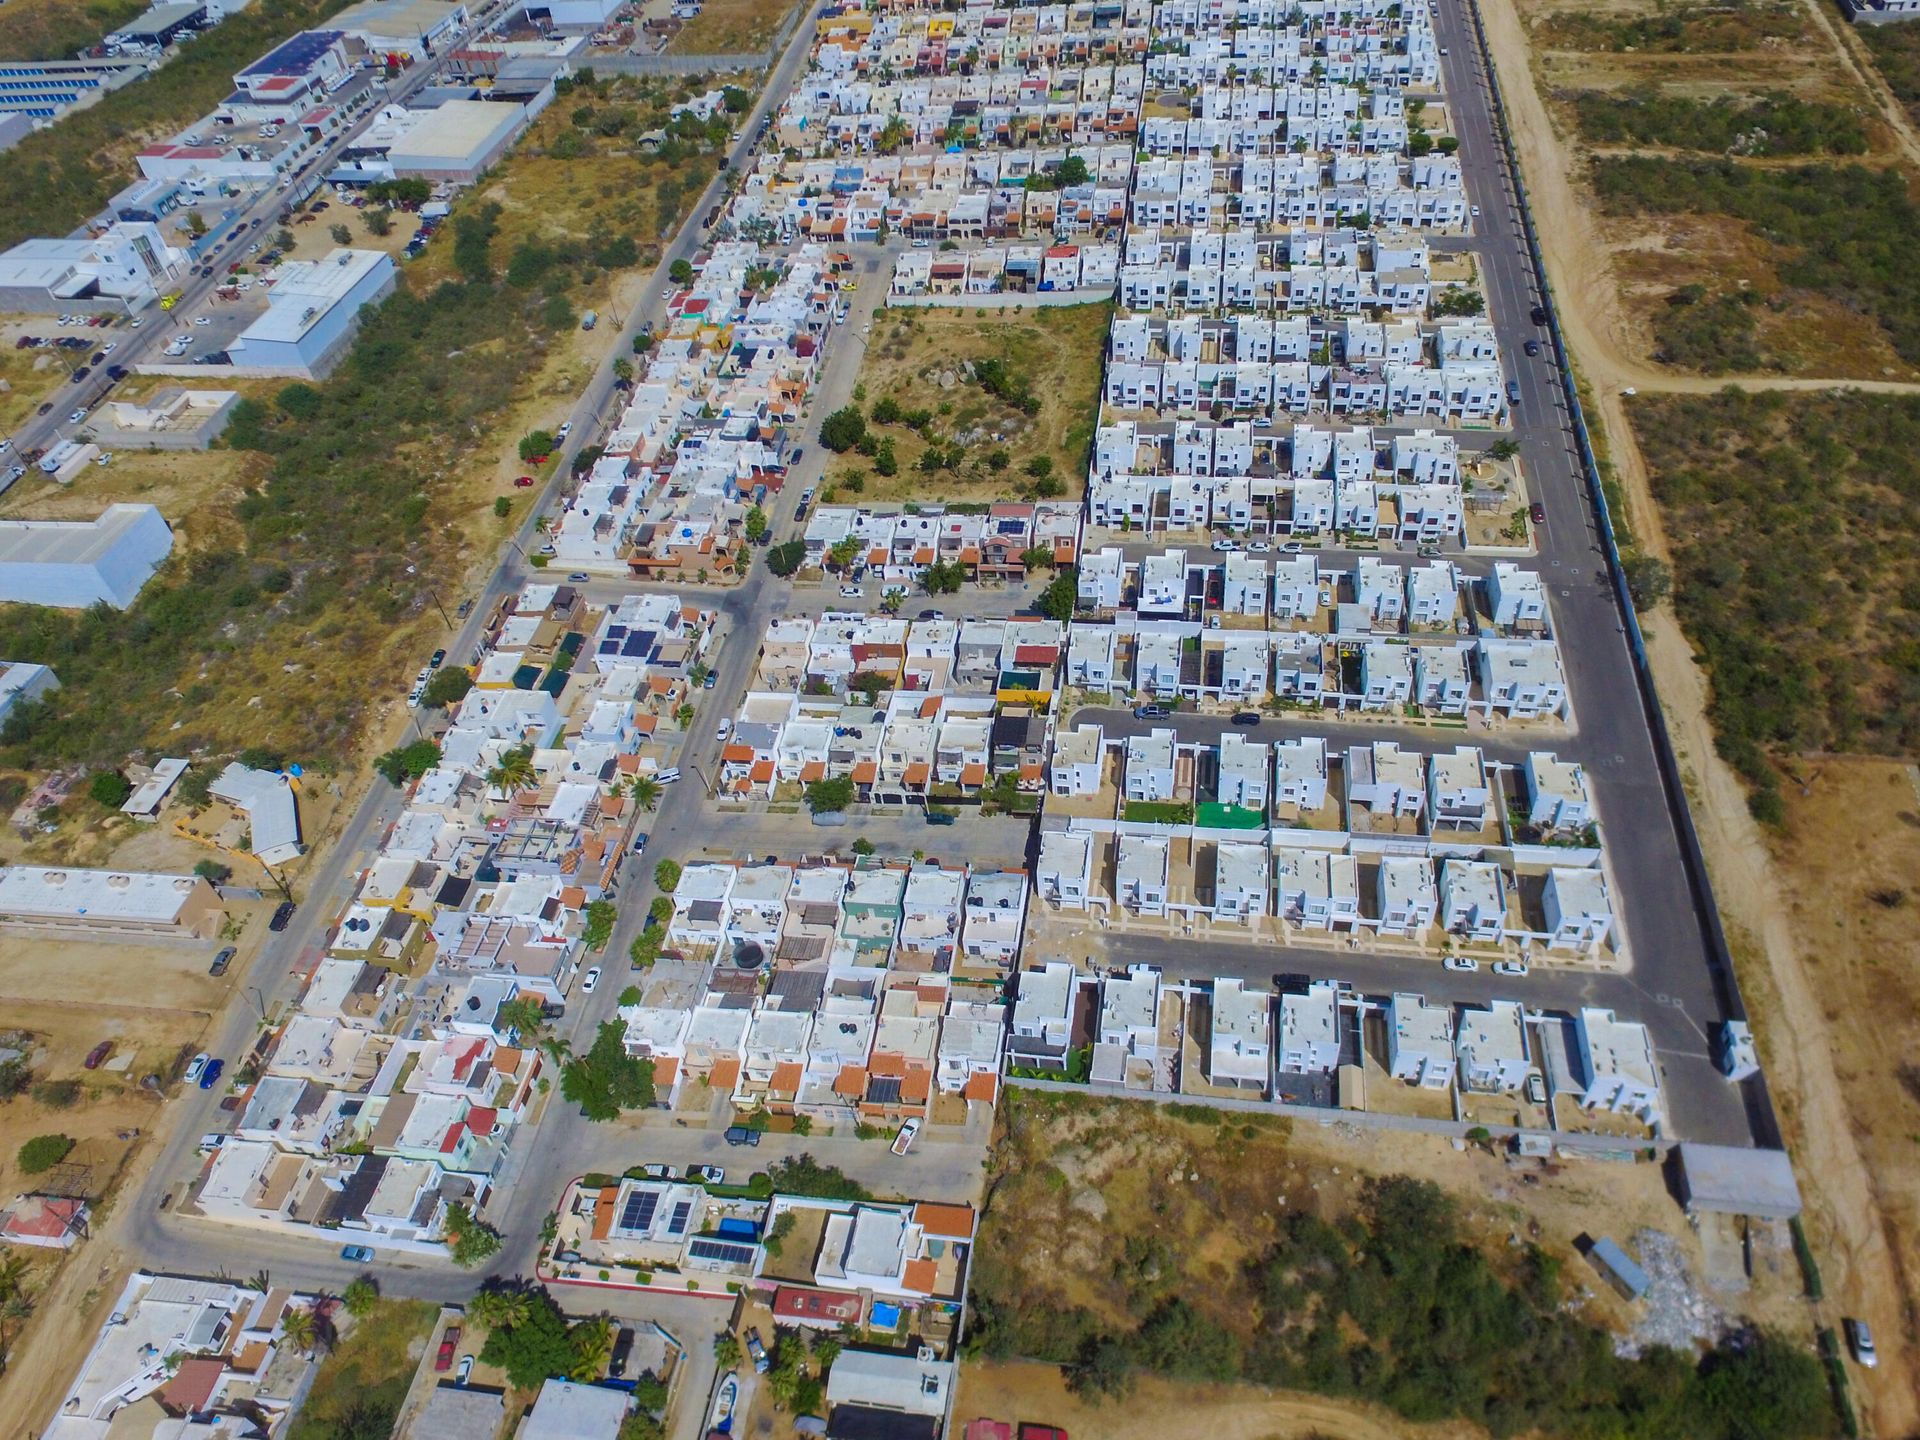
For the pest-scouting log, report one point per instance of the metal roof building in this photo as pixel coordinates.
(1730, 1180)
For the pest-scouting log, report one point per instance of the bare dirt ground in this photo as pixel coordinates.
(1809, 1042)
(1156, 1410)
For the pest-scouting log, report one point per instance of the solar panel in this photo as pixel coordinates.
(721, 1252)
(637, 1213)
(677, 1225)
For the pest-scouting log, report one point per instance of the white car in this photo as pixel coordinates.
(1224, 547)
(195, 1067)
(852, 592)
(592, 979)
(903, 1142)
(201, 320)
(1476, 212)
(1259, 547)
(566, 429)
(726, 729)
(1461, 962)
(668, 777)
(1510, 967)
(109, 347)
(135, 324)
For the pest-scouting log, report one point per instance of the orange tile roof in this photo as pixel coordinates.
(604, 1212)
(629, 764)
(982, 1085)
(813, 770)
(921, 1275)
(645, 725)
(917, 772)
(917, 1085)
(786, 1078)
(851, 1082)
(887, 1066)
(930, 707)
(973, 774)
(865, 772)
(738, 754)
(923, 556)
(876, 556)
(725, 1073)
(762, 771)
(573, 897)
(665, 1069)
(952, 1222)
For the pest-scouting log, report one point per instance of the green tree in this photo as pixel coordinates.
(863, 846)
(843, 429)
(536, 444)
(42, 1153)
(469, 1239)
(408, 762)
(803, 1175)
(514, 771)
(499, 1308)
(755, 525)
(300, 1326)
(212, 871)
(1039, 557)
(536, 1346)
(601, 915)
(592, 1342)
(360, 1296)
(109, 789)
(379, 220)
(645, 791)
(1073, 171)
(843, 552)
(833, 793)
(666, 875)
(341, 235)
(502, 507)
(681, 271)
(1649, 579)
(607, 1080)
(1057, 601)
(1040, 466)
(785, 558)
(450, 683)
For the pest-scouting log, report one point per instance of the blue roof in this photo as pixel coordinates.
(295, 56)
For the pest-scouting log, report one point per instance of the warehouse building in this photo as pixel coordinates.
(71, 564)
(109, 903)
(410, 29)
(312, 314)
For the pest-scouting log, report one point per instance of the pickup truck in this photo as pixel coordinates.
(449, 1344)
(903, 1142)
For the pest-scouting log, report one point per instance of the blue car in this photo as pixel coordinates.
(358, 1254)
(211, 1074)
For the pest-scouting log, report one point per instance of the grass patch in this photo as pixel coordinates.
(60, 176)
(1714, 334)
(362, 1382)
(1380, 1293)
(1020, 421)
(1839, 232)
(731, 27)
(1896, 54)
(1775, 125)
(55, 29)
(1795, 576)
(1159, 812)
(1675, 29)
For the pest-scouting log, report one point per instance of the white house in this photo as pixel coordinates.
(1523, 677)
(1556, 792)
(1491, 1046)
(1404, 894)
(1386, 674)
(1457, 788)
(1386, 780)
(1310, 1029)
(1063, 870)
(1239, 880)
(1140, 873)
(1473, 899)
(1300, 772)
(1316, 889)
(1577, 909)
(1617, 1066)
(1516, 597)
(1241, 771)
(1240, 1037)
(1433, 593)
(996, 906)
(1149, 773)
(1420, 1041)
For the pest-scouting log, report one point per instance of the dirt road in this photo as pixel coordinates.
(1849, 1226)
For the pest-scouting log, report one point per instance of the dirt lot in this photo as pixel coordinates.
(54, 29)
(920, 358)
(731, 27)
(1156, 1410)
(29, 378)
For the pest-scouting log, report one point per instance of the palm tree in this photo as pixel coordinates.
(498, 1309)
(592, 1342)
(300, 1328)
(13, 1270)
(514, 772)
(645, 791)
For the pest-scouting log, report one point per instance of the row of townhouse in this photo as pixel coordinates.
(1305, 783)
(1449, 387)
(1302, 272)
(1240, 877)
(1274, 192)
(1131, 1022)
(700, 440)
(913, 920)
(897, 545)
(1008, 37)
(355, 1123)
(1005, 269)
(825, 657)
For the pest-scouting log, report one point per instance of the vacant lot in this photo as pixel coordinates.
(1763, 26)
(364, 1379)
(1896, 54)
(55, 29)
(1103, 1251)
(30, 377)
(1789, 518)
(59, 176)
(731, 27)
(1003, 400)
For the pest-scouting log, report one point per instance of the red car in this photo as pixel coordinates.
(525, 482)
(449, 1343)
(97, 1056)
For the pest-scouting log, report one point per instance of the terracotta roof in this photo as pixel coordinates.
(917, 772)
(865, 772)
(851, 1082)
(762, 771)
(740, 754)
(573, 897)
(665, 1068)
(786, 1078)
(951, 1222)
(921, 1275)
(813, 770)
(917, 1085)
(973, 773)
(982, 1085)
(930, 707)
(482, 1118)
(604, 1210)
(725, 1073)
(791, 1302)
(192, 1384)
(887, 1066)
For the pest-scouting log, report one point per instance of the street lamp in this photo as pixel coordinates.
(433, 595)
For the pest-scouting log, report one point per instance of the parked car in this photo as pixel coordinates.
(1291, 547)
(640, 843)
(449, 1346)
(523, 482)
(282, 916)
(1537, 513)
(1225, 547)
(669, 777)
(1246, 717)
(591, 981)
(210, 1076)
(656, 1172)
(1513, 392)
(221, 962)
(76, 417)
(622, 1348)
(195, 1068)
(721, 733)
(97, 1056)
(1259, 547)
(707, 1174)
(1151, 712)
(852, 592)
(1536, 1087)
(465, 1371)
(909, 1132)
(1461, 962)
(1510, 967)
(1860, 1341)
(357, 1254)
(578, 577)
(437, 659)
(742, 1135)
(1532, 347)
(1538, 315)
(763, 1362)
(710, 681)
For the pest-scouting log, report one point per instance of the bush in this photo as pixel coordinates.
(449, 685)
(786, 558)
(109, 789)
(58, 1094)
(843, 430)
(666, 875)
(834, 793)
(803, 1175)
(1776, 125)
(42, 1153)
(408, 762)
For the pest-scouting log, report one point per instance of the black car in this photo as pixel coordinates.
(439, 659)
(80, 374)
(930, 615)
(1246, 717)
(741, 1135)
(1539, 315)
(801, 513)
(282, 916)
(116, 372)
(1532, 347)
(622, 1348)
(221, 962)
